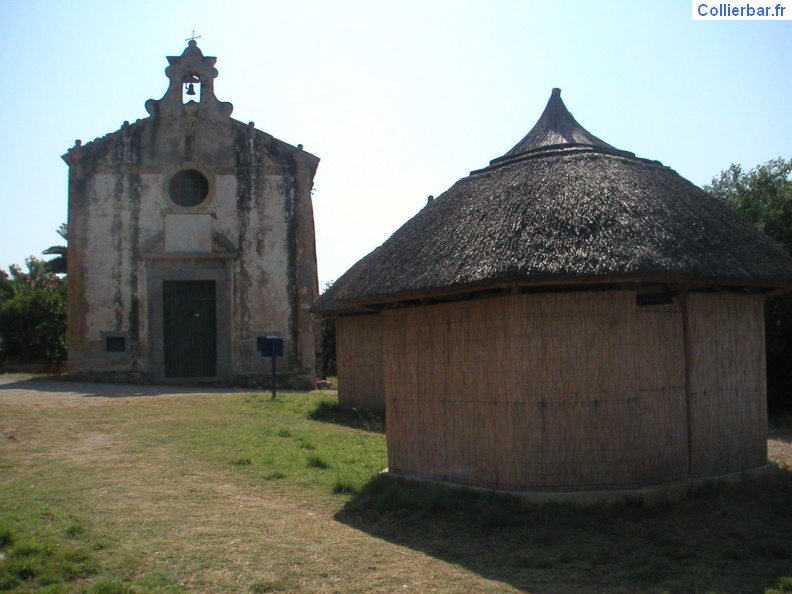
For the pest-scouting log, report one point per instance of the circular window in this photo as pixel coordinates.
(188, 188)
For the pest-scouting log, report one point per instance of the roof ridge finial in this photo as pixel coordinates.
(556, 128)
(191, 40)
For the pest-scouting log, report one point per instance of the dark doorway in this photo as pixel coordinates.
(190, 328)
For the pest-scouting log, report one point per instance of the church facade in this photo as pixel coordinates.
(191, 235)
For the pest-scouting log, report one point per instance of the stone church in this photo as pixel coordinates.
(191, 234)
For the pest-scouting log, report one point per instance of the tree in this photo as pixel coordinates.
(32, 313)
(763, 195)
(6, 286)
(58, 263)
(327, 329)
(19, 283)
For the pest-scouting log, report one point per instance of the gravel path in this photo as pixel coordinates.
(20, 389)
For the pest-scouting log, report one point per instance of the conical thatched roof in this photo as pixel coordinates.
(563, 207)
(556, 127)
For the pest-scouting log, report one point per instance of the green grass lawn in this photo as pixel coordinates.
(241, 493)
(301, 440)
(52, 539)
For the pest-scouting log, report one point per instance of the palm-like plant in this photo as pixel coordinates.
(58, 263)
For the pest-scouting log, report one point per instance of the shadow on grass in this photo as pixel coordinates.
(734, 538)
(329, 411)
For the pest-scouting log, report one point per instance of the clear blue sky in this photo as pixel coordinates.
(398, 99)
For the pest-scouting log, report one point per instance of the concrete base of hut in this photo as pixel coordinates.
(650, 495)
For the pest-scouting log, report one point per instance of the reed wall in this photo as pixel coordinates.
(359, 361)
(727, 382)
(559, 391)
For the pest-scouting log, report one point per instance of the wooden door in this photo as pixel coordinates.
(190, 328)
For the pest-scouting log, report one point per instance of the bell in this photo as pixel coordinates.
(190, 89)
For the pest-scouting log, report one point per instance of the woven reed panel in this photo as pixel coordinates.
(554, 391)
(727, 382)
(359, 352)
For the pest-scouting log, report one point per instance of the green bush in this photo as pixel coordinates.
(33, 326)
(32, 313)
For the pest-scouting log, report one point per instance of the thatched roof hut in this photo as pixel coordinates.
(570, 317)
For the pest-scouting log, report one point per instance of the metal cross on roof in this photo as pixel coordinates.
(194, 36)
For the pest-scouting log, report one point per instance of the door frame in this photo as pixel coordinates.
(192, 268)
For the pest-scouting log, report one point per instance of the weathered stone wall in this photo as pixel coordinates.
(253, 235)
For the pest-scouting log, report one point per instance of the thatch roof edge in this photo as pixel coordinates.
(333, 307)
